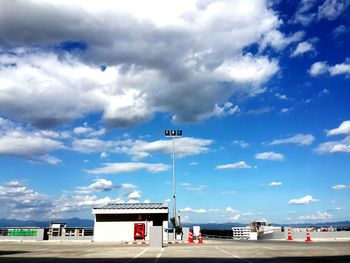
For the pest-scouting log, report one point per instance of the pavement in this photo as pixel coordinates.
(210, 251)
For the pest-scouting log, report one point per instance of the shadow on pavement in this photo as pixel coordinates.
(342, 259)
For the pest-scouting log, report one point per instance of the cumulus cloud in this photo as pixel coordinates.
(134, 195)
(310, 11)
(193, 211)
(28, 144)
(344, 128)
(139, 149)
(332, 9)
(155, 54)
(307, 199)
(302, 48)
(275, 184)
(98, 185)
(299, 139)
(117, 168)
(317, 216)
(20, 202)
(340, 187)
(234, 215)
(340, 146)
(319, 68)
(270, 156)
(239, 165)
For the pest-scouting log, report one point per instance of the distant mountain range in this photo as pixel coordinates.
(71, 222)
(77, 222)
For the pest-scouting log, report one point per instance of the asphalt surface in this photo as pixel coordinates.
(211, 251)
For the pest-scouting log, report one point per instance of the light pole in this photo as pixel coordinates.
(174, 134)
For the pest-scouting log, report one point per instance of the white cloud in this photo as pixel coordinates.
(307, 199)
(139, 149)
(103, 155)
(344, 128)
(239, 165)
(98, 185)
(128, 186)
(193, 163)
(341, 146)
(248, 69)
(194, 188)
(88, 131)
(74, 203)
(134, 195)
(284, 110)
(211, 38)
(270, 156)
(302, 48)
(30, 145)
(343, 68)
(116, 168)
(310, 11)
(317, 216)
(275, 184)
(340, 187)
(332, 9)
(241, 143)
(193, 211)
(231, 210)
(281, 96)
(234, 215)
(318, 68)
(299, 139)
(20, 202)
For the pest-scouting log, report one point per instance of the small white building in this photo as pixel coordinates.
(129, 222)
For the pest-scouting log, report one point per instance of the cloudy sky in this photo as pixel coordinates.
(259, 88)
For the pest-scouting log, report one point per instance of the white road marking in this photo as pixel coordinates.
(138, 255)
(159, 255)
(232, 255)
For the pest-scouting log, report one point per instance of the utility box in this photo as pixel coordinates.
(156, 236)
(139, 231)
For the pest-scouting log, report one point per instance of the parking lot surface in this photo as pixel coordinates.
(210, 251)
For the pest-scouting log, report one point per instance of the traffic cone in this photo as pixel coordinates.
(200, 239)
(308, 237)
(289, 235)
(190, 237)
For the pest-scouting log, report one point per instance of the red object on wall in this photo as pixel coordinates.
(139, 231)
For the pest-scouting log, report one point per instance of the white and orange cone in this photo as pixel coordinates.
(200, 239)
(308, 237)
(190, 237)
(289, 235)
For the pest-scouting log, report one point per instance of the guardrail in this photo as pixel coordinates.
(217, 237)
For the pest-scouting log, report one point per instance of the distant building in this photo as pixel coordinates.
(128, 222)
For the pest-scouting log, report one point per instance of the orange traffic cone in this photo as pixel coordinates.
(289, 235)
(200, 239)
(308, 237)
(190, 237)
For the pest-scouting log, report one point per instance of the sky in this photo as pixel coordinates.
(260, 89)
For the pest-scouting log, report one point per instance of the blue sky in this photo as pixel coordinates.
(259, 88)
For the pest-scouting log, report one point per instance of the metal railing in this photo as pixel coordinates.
(217, 237)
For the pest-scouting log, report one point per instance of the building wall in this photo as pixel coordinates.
(122, 231)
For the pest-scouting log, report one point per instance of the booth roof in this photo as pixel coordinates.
(134, 206)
